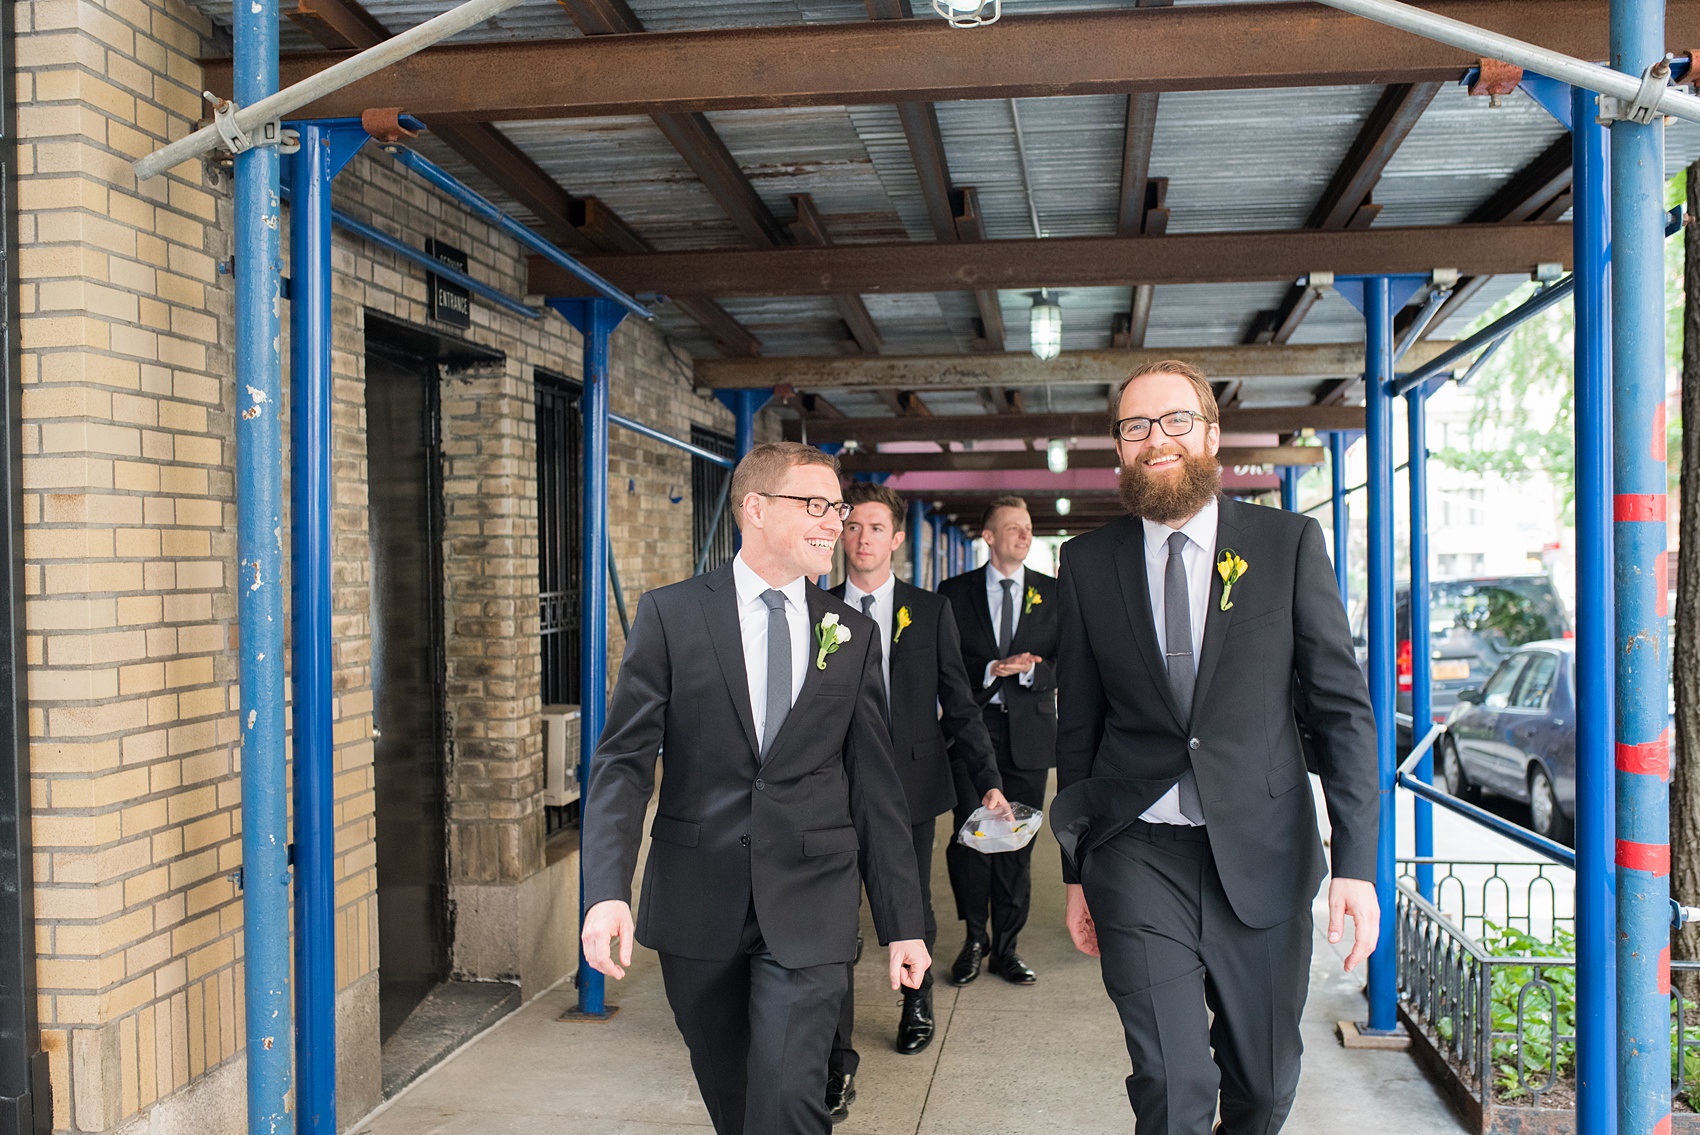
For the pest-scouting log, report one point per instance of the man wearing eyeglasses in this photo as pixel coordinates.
(1190, 629)
(780, 801)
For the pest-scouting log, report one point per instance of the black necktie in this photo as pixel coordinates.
(1006, 618)
(868, 606)
(778, 668)
(1177, 646)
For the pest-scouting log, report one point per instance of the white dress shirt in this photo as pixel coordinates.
(1198, 556)
(752, 625)
(994, 601)
(883, 613)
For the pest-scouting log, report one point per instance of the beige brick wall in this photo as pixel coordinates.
(129, 507)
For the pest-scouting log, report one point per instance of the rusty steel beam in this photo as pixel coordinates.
(996, 460)
(1192, 258)
(1015, 369)
(970, 228)
(1195, 47)
(1026, 427)
(810, 229)
(1383, 132)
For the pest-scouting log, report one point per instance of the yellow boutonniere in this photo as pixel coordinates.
(1033, 599)
(1230, 567)
(904, 618)
(830, 634)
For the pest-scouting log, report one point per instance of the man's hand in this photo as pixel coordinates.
(604, 922)
(1078, 919)
(909, 960)
(998, 804)
(1354, 898)
(1015, 664)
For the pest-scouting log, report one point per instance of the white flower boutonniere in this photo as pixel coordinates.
(830, 634)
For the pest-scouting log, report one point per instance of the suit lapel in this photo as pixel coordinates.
(899, 600)
(1216, 620)
(811, 675)
(720, 609)
(983, 612)
(1136, 593)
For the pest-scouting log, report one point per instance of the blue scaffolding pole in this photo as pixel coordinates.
(1290, 487)
(1417, 645)
(259, 519)
(917, 515)
(596, 320)
(326, 147)
(1338, 442)
(937, 523)
(1639, 509)
(1595, 673)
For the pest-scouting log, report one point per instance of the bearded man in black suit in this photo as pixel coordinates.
(1007, 616)
(935, 729)
(780, 802)
(1190, 849)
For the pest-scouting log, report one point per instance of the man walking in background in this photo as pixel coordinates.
(1189, 835)
(932, 706)
(1007, 616)
(768, 696)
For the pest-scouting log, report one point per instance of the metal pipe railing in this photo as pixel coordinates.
(668, 439)
(252, 115)
(1516, 833)
(1492, 333)
(1531, 57)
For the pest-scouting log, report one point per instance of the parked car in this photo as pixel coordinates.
(1473, 625)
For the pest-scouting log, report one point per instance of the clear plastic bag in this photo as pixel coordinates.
(986, 832)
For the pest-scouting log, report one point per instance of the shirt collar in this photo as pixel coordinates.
(853, 594)
(993, 576)
(1201, 529)
(750, 587)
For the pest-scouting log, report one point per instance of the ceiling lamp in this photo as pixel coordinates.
(969, 13)
(1063, 505)
(1044, 326)
(1056, 455)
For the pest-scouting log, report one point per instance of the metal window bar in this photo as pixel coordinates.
(711, 526)
(559, 531)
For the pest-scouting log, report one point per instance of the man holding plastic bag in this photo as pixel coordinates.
(1189, 835)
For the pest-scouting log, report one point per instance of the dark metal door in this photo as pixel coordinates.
(405, 527)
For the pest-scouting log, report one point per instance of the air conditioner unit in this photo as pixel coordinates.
(560, 755)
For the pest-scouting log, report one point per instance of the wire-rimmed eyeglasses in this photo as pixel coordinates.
(816, 506)
(1176, 423)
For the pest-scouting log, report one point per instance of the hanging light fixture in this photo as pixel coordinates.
(1044, 326)
(969, 13)
(1056, 455)
(1063, 505)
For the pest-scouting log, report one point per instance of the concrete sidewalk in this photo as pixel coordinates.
(1046, 1058)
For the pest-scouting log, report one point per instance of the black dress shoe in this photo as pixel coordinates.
(915, 1028)
(967, 965)
(840, 1093)
(1012, 969)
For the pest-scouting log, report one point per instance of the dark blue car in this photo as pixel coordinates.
(1516, 736)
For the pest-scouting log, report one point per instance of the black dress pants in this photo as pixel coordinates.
(999, 887)
(1173, 952)
(758, 1034)
(845, 1059)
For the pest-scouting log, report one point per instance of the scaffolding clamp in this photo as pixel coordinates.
(238, 140)
(1644, 107)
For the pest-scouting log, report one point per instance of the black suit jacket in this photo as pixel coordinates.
(1032, 709)
(785, 833)
(1125, 742)
(932, 703)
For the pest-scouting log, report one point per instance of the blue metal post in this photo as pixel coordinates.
(938, 550)
(325, 148)
(1290, 488)
(1638, 467)
(1337, 444)
(259, 551)
(745, 405)
(595, 320)
(1422, 694)
(917, 514)
(1596, 820)
(1378, 406)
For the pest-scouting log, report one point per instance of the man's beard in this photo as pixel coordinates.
(1170, 497)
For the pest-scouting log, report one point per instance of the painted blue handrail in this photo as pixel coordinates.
(477, 287)
(476, 201)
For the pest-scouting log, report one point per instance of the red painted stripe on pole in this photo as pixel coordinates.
(1658, 449)
(1650, 758)
(1664, 972)
(1631, 507)
(1653, 858)
(1661, 573)
(1662, 1127)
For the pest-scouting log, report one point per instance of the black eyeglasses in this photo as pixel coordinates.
(1176, 423)
(816, 506)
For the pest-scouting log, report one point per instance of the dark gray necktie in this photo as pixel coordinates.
(1177, 645)
(778, 668)
(868, 606)
(1006, 617)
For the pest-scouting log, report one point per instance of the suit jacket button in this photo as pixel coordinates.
(1192, 744)
(745, 840)
(761, 786)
